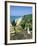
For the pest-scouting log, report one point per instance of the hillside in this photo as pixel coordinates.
(19, 29)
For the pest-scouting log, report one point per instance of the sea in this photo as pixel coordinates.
(14, 17)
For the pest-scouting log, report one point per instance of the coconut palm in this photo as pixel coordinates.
(14, 25)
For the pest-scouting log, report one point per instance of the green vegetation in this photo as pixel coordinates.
(21, 29)
(27, 21)
(14, 25)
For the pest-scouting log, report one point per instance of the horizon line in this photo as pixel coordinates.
(23, 15)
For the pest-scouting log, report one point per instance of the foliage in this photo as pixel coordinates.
(26, 21)
(21, 33)
(13, 23)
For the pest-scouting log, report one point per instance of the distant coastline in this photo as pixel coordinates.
(17, 17)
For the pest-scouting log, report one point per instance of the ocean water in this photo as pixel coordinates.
(14, 17)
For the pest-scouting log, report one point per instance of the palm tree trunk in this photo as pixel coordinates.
(28, 30)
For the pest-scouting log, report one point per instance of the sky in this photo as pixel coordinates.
(20, 10)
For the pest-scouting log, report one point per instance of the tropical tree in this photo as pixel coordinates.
(23, 25)
(26, 23)
(14, 25)
(29, 25)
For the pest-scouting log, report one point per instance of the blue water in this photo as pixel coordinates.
(14, 17)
